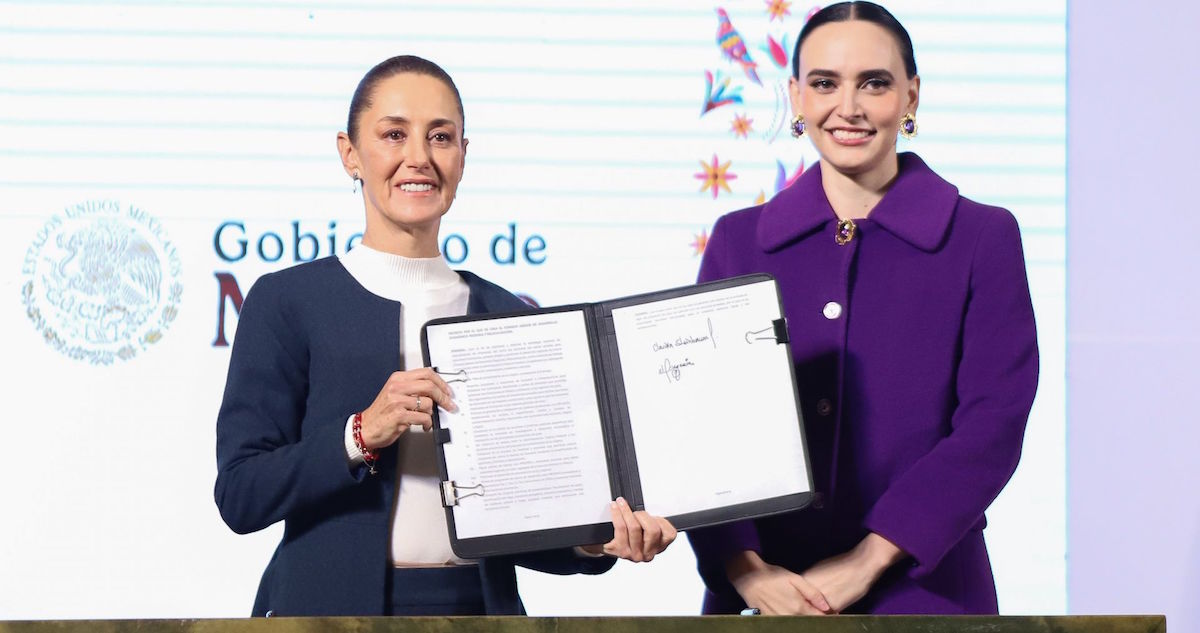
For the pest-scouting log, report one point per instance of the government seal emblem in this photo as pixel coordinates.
(102, 281)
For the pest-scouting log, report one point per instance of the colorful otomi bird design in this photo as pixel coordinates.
(734, 46)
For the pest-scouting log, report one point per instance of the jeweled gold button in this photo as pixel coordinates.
(845, 232)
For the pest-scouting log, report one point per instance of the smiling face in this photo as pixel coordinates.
(853, 91)
(410, 154)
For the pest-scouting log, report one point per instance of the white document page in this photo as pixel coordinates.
(526, 447)
(711, 405)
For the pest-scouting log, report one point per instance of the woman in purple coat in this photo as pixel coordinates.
(913, 336)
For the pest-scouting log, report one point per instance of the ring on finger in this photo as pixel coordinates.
(418, 408)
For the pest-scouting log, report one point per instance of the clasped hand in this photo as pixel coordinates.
(827, 587)
(775, 590)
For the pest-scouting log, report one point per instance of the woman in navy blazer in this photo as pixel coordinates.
(319, 430)
(913, 337)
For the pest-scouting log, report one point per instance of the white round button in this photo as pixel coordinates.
(832, 310)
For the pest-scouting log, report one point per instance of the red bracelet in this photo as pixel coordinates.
(368, 457)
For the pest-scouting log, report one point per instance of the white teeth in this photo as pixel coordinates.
(847, 135)
(412, 186)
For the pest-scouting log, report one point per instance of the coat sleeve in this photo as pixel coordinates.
(266, 468)
(714, 546)
(932, 506)
(565, 561)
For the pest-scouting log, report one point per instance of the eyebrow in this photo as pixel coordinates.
(399, 120)
(877, 72)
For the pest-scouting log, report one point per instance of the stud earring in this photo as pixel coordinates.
(798, 125)
(908, 125)
(357, 181)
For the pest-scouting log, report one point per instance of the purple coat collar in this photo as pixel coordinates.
(917, 208)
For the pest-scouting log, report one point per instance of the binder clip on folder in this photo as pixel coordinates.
(778, 332)
(452, 376)
(451, 494)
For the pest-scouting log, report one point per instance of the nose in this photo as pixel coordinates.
(416, 153)
(848, 106)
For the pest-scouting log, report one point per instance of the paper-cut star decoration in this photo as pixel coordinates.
(699, 242)
(778, 9)
(741, 126)
(716, 176)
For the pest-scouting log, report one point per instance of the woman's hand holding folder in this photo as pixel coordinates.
(637, 536)
(406, 399)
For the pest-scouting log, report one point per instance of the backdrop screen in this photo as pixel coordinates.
(157, 157)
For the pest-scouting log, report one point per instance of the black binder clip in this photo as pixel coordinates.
(458, 376)
(441, 436)
(451, 494)
(781, 331)
(778, 332)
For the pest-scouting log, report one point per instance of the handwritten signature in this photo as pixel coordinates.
(681, 342)
(687, 339)
(674, 371)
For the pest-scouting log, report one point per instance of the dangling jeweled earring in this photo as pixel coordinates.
(798, 125)
(357, 180)
(908, 125)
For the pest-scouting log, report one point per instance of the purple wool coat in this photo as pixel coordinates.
(917, 363)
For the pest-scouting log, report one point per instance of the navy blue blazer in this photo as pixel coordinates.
(313, 346)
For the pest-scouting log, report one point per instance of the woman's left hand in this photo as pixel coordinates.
(637, 536)
(844, 579)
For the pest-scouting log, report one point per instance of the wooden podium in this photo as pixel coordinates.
(707, 624)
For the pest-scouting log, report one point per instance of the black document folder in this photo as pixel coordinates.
(683, 401)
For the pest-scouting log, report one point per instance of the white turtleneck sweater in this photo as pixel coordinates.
(428, 289)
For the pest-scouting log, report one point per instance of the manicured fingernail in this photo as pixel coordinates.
(613, 505)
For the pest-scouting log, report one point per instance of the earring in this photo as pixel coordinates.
(798, 125)
(357, 181)
(908, 125)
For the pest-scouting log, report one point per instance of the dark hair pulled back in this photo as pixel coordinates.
(867, 12)
(389, 68)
